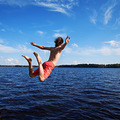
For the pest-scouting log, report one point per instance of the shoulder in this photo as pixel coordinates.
(47, 48)
(55, 48)
(58, 49)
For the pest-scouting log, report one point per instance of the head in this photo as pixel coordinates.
(58, 41)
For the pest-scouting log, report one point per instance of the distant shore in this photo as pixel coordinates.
(74, 66)
(92, 66)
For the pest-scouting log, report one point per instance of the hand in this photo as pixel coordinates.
(67, 39)
(32, 43)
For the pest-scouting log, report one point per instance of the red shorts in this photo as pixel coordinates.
(48, 67)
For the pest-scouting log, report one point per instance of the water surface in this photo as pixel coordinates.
(68, 94)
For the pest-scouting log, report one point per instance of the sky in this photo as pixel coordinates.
(93, 26)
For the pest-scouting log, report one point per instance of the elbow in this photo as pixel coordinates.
(42, 47)
(41, 79)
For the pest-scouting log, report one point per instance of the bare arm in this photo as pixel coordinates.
(66, 42)
(41, 47)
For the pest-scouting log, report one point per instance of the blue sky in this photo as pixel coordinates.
(93, 25)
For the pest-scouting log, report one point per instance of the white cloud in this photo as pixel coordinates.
(1, 57)
(67, 50)
(110, 51)
(19, 3)
(9, 49)
(3, 30)
(76, 62)
(113, 43)
(23, 48)
(20, 31)
(74, 45)
(118, 21)
(58, 30)
(1, 40)
(86, 51)
(60, 35)
(12, 61)
(108, 13)
(105, 51)
(53, 5)
(117, 37)
(93, 17)
(58, 5)
(116, 25)
(40, 32)
(90, 51)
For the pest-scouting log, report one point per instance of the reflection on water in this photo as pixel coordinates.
(68, 94)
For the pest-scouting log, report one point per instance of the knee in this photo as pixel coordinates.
(31, 75)
(41, 78)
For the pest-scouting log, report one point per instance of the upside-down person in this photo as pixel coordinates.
(46, 68)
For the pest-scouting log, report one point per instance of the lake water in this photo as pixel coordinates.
(68, 94)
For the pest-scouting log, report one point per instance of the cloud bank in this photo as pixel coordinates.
(9, 49)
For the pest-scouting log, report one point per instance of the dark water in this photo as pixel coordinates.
(68, 94)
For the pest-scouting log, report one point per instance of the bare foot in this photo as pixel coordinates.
(27, 58)
(37, 57)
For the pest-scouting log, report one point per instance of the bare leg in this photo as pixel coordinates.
(41, 71)
(30, 65)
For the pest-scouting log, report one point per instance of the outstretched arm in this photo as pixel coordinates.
(41, 47)
(66, 42)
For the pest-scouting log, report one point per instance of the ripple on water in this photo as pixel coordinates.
(68, 94)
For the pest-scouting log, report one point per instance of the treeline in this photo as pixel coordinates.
(75, 66)
(92, 66)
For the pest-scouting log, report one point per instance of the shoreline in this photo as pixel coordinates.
(74, 66)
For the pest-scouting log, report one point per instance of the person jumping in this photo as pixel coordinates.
(46, 68)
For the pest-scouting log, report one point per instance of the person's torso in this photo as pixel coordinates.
(54, 55)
